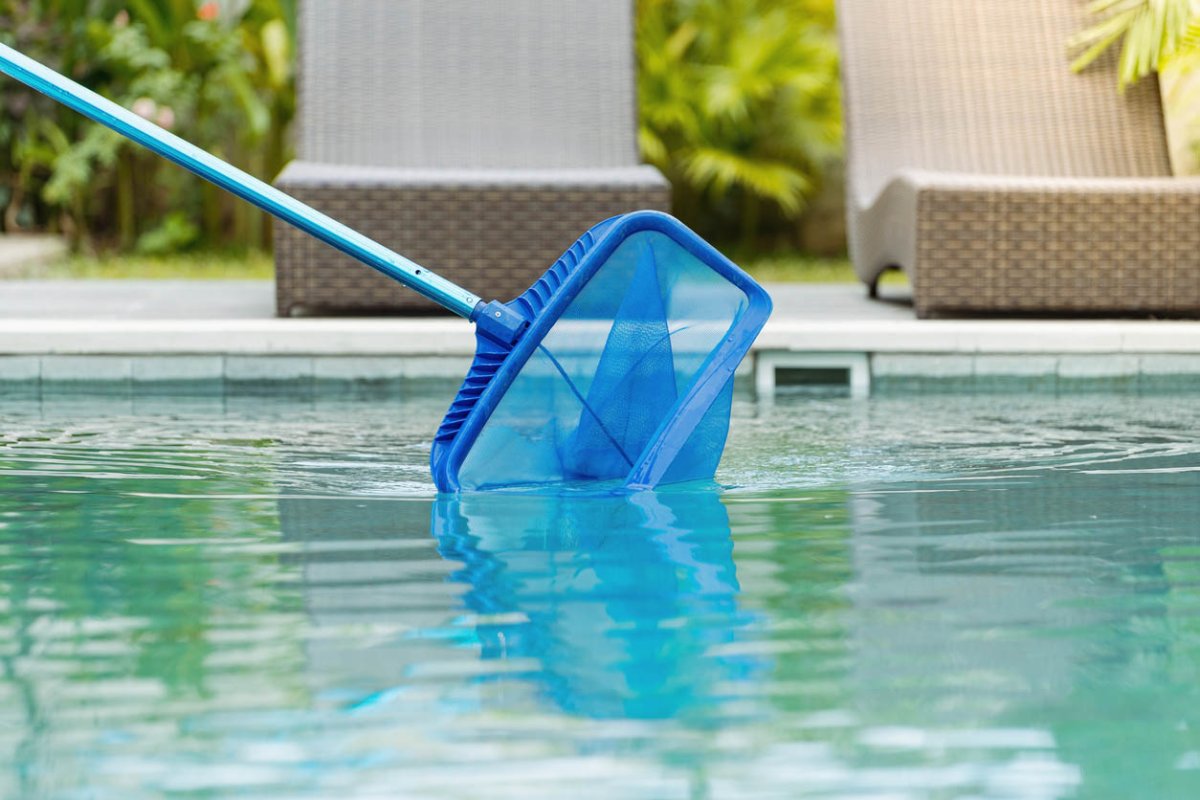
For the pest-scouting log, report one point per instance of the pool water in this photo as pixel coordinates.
(925, 597)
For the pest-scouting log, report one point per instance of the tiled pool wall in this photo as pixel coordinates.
(215, 375)
(1118, 373)
(875, 374)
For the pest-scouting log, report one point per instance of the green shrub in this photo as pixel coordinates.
(740, 107)
(1149, 31)
(1160, 36)
(217, 73)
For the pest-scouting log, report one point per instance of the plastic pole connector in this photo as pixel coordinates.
(500, 323)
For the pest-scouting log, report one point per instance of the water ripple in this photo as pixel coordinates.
(909, 598)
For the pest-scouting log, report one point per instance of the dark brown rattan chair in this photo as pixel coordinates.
(478, 139)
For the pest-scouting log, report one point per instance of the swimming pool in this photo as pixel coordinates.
(931, 596)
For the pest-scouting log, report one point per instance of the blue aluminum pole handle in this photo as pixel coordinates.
(230, 178)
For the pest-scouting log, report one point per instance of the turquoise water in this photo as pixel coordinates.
(932, 597)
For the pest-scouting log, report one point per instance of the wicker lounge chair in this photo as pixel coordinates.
(479, 139)
(997, 179)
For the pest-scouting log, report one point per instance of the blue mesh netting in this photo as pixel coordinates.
(611, 370)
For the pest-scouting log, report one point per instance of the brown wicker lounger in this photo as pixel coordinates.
(997, 179)
(479, 139)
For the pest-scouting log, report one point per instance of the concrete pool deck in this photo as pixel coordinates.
(150, 331)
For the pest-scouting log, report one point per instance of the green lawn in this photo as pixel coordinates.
(783, 268)
(185, 266)
(798, 268)
(802, 268)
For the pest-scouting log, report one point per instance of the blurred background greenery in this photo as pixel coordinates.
(216, 73)
(1152, 36)
(740, 108)
(739, 99)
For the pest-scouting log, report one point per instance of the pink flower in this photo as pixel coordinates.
(165, 117)
(145, 108)
(209, 11)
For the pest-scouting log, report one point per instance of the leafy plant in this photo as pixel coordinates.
(1160, 36)
(1150, 31)
(176, 232)
(218, 73)
(739, 103)
(739, 106)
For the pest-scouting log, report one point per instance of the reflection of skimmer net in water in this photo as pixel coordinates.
(616, 365)
(622, 601)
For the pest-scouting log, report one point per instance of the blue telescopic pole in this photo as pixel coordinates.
(263, 195)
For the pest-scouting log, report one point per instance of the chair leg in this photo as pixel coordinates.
(873, 289)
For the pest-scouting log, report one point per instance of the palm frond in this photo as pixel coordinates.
(739, 100)
(1149, 31)
(1191, 34)
(721, 170)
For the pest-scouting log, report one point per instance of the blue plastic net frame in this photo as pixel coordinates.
(497, 365)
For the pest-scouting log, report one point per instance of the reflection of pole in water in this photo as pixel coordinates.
(620, 599)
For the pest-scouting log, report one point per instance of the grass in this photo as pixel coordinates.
(255, 265)
(803, 268)
(798, 268)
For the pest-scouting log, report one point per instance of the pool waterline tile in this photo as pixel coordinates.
(268, 368)
(20, 391)
(922, 365)
(1150, 385)
(1012, 365)
(77, 369)
(359, 368)
(446, 368)
(1168, 374)
(391, 377)
(1016, 374)
(359, 378)
(20, 369)
(1003, 383)
(1093, 365)
(290, 376)
(179, 376)
(923, 384)
(96, 375)
(20, 377)
(919, 373)
(183, 368)
(1169, 364)
(1115, 373)
(381, 389)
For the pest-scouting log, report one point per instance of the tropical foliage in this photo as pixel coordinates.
(1160, 36)
(218, 73)
(740, 106)
(1150, 32)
